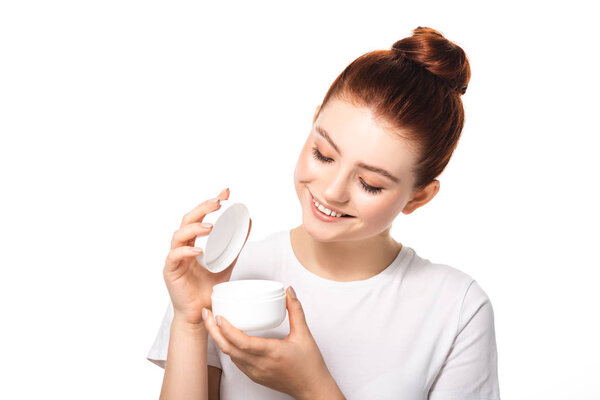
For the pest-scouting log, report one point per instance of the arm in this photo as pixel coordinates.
(189, 285)
(186, 371)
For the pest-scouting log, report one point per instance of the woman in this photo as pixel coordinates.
(376, 320)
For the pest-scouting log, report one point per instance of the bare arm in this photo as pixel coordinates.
(186, 372)
(190, 286)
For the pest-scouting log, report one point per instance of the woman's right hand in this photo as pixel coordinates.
(189, 283)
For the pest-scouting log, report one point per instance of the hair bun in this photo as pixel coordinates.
(430, 49)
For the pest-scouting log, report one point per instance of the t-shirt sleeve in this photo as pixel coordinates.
(470, 371)
(158, 352)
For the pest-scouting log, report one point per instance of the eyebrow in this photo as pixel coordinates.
(377, 170)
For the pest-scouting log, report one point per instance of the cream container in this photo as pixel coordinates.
(250, 304)
(226, 239)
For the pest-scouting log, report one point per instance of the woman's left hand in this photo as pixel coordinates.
(293, 365)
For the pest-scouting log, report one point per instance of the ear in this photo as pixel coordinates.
(422, 197)
(316, 113)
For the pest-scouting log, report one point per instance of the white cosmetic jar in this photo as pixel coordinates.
(226, 239)
(250, 304)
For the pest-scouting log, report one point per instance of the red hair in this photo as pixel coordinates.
(415, 89)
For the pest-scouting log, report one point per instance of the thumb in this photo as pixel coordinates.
(296, 314)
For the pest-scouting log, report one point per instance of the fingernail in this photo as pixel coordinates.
(204, 314)
(293, 293)
(197, 249)
(214, 200)
(206, 225)
(218, 319)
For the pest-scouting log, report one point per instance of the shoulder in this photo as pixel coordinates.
(422, 271)
(447, 292)
(441, 282)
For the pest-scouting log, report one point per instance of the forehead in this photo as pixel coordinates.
(361, 137)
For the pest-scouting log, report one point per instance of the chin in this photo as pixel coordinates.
(320, 234)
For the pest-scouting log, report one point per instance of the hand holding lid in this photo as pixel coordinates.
(190, 283)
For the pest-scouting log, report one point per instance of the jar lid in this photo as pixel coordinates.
(226, 239)
(248, 289)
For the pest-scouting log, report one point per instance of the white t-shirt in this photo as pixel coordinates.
(415, 331)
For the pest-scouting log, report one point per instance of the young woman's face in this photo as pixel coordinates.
(333, 172)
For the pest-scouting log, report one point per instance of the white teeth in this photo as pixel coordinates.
(326, 211)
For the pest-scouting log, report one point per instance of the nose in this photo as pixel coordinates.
(336, 189)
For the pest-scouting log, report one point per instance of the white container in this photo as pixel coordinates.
(226, 239)
(250, 304)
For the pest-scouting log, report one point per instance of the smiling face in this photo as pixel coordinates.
(363, 170)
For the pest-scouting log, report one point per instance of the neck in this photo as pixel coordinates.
(344, 261)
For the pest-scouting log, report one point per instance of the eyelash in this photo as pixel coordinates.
(318, 156)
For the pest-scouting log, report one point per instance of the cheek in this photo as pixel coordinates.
(307, 167)
(380, 211)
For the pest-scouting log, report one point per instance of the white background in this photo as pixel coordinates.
(118, 117)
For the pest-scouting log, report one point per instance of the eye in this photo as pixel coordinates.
(367, 188)
(317, 154)
(370, 189)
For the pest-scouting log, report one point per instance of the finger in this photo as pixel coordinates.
(296, 315)
(214, 332)
(250, 344)
(186, 233)
(178, 254)
(200, 211)
(225, 345)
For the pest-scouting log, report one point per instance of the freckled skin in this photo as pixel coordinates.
(324, 246)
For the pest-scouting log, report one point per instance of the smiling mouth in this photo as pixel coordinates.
(313, 199)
